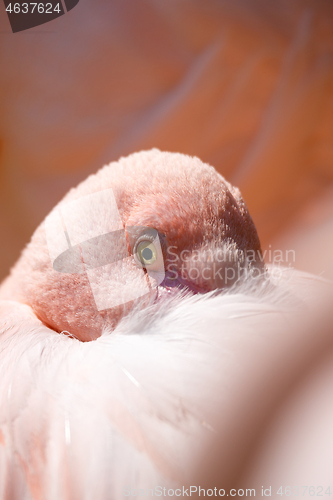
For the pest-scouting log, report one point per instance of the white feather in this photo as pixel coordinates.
(138, 406)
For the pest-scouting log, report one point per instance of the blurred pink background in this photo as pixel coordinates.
(246, 85)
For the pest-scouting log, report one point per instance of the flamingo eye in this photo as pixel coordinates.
(146, 252)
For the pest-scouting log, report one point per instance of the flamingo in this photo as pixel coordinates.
(135, 361)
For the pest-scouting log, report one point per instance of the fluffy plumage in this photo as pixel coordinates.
(191, 206)
(138, 407)
(145, 404)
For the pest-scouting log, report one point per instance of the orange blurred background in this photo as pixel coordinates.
(246, 85)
